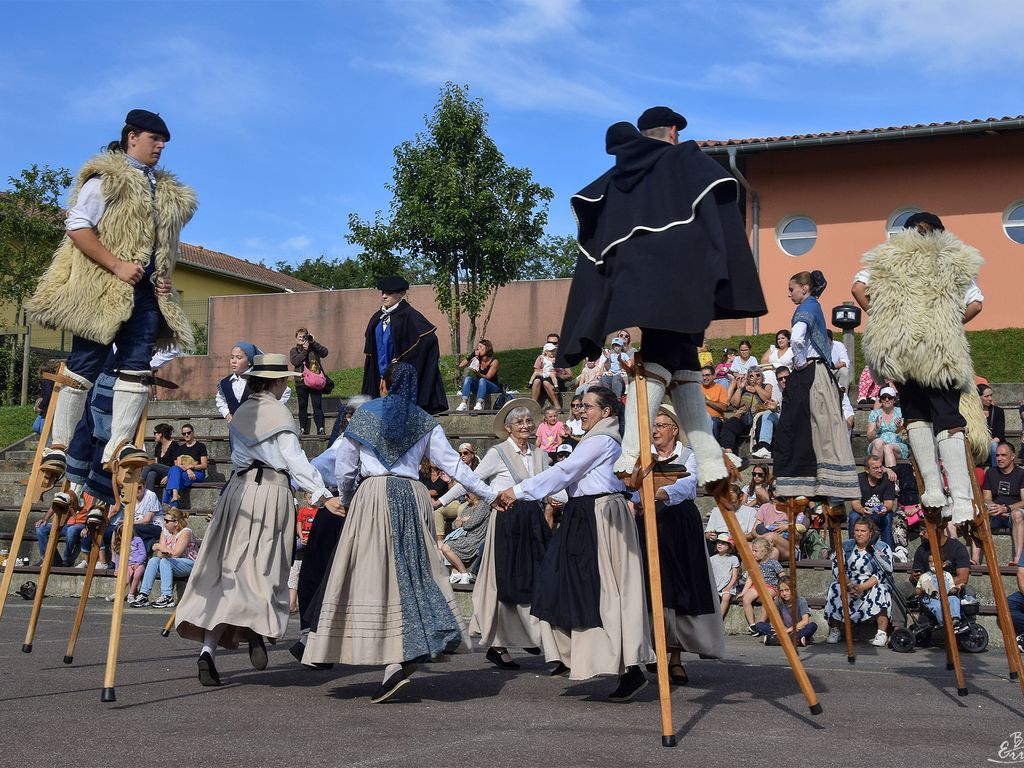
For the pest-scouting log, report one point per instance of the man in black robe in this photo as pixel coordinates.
(398, 333)
(662, 247)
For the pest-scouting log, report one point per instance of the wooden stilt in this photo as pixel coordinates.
(90, 572)
(33, 489)
(668, 736)
(166, 631)
(835, 523)
(793, 508)
(984, 532)
(57, 522)
(130, 493)
(754, 573)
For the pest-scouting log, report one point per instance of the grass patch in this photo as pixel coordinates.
(15, 423)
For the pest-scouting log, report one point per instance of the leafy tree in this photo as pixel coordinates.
(327, 273)
(554, 256)
(459, 211)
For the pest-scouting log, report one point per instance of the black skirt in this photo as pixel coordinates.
(323, 539)
(567, 592)
(521, 536)
(685, 581)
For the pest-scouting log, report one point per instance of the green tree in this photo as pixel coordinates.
(332, 274)
(459, 211)
(554, 256)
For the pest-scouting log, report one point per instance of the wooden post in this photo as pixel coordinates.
(668, 736)
(57, 522)
(835, 523)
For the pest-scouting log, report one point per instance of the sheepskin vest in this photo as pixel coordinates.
(78, 295)
(916, 303)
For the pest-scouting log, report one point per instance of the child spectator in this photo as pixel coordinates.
(805, 628)
(723, 371)
(928, 590)
(726, 569)
(771, 570)
(589, 377)
(616, 364)
(745, 516)
(136, 564)
(544, 375)
(550, 432)
(303, 524)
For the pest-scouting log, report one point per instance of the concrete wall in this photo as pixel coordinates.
(524, 313)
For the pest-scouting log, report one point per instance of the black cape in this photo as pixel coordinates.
(415, 341)
(662, 245)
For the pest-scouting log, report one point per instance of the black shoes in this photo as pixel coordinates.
(630, 684)
(534, 651)
(208, 670)
(298, 648)
(962, 626)
(559, 670)
(257, 651)
(390, 687)
(495, 658)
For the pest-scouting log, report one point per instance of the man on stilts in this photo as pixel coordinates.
(110, 284)
(662, 247)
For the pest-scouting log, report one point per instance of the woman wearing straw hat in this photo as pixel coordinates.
(239, 585)
(516, 539)
(387, 599)
(589, 591)
(693, 620)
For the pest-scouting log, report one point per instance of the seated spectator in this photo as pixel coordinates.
(550, 432)
(867, 583)
(149, 519)
(136, 563)
(723, 371)
(746, 517)
(767, 419)
(617, 366)
(467, 452)
(190, 466)
(174, 555)
(771, 569)
(779, 355)
(994, 417)
(773, 527)
(744, 362)
(877, 499)
(564, 376)
(71, 531)
(589, 377)
(885, 432)
(761, 489)
(165, 452)
(868, 389)
(481, 375)
(436, 480)
(544, 379)
(747, 395)
(726, 569)
(1016, 601)
(805, 628)
(704, 356)
(928, 590)
(1004, 496)
(840, 361)
(716, 399)
(575, 421)
(462, 546)
(955, 561)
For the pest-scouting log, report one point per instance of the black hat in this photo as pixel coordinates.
(924, 218)
(658, 117)
(393, 284)
(148, 121)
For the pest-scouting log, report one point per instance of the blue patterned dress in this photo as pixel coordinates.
(861, 565)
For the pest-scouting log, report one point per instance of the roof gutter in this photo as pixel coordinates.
(755, 202)
(861, 138)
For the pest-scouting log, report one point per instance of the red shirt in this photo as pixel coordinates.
(304, 522)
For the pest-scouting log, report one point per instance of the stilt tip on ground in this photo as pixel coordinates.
(816, 709)
(26, 648)
(108, 695)
(668, 741)
(68, 659)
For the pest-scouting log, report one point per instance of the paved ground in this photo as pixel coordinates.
(745, 710)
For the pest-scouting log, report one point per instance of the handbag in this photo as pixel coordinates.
(311, 379)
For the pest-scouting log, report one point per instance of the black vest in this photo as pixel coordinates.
(229, 394)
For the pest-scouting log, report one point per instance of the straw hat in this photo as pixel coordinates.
(519, 402)
(271, 366)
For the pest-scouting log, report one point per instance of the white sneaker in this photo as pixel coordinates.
(465, 578)
(761, 453)
(82, 564)
(901, 554)
(453, 577)
(479, 405)
(880, 640)
(833, 636)
(463, 407)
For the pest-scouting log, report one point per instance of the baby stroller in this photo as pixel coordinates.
(924, 630)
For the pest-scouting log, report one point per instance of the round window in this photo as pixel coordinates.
(796, 235)
(1013, 222)
(898, 219)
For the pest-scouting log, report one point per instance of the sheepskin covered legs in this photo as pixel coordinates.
(129, 401)
(953, 451)
(922, 444)
(657, 380)
(688, 400)
(71, 402)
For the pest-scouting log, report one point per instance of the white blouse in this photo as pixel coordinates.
(587, 472)
(685, 487)
(493, 471)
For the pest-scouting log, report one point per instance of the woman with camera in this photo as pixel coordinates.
(306, 356)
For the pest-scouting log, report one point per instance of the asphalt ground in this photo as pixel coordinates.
(744, 710)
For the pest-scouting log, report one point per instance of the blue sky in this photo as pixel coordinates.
(284, 114)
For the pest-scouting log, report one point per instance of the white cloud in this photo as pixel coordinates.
(297, 243)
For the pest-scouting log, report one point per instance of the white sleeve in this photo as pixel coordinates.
(847, 407)
(222, 404)
(840, 354)
(685, 487)
(563, 474)
(973, 293)
(862, 277)
(88, 208)
(799, 343)
(446, 458)
(286, 395)
(346, 466)
(302, 472)
(487, 468)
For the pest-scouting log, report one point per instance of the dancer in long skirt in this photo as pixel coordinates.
(387, 599)
(239, 585)
(589, 593)
(516, 539)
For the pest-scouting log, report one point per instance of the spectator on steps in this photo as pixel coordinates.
(481, 375)
(308, 354)
(761, 488)
(136, 564)
(805, 628)
(868, 388)
(726, 569)
(747, 395)
(589, 377)
(841, 361)
(766, 420)
(616, 363)
(746, 516)
(575, 421)
(71, 531)
(544, 379)
(723, 371)
(174, 555)
(867, 582)
(1016, 601)
(927, 589)
(165, 453)
(1004, 496)
(745, 361)
(779, 354)
(190, 466)
(716, 399)
(955, 560)
(886, 433)
(877, 499)
(771, 569)
(994, 417)
(551, 432)
(462, 546)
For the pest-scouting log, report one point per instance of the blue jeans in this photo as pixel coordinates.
(177, 478)
(72, 534)
(766, 424)
(884, 523)
(107, 535)
(765, 628)
(934, 605)
(1016, 601)
(168, 568)
(484, 387)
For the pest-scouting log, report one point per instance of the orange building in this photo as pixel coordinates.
(820, 201)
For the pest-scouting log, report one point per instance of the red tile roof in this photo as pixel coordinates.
(214, 261)
(715, 146)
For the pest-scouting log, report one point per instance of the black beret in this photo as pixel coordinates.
(148, 121)
(924, 218)
(658, 117)
(393, 284)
